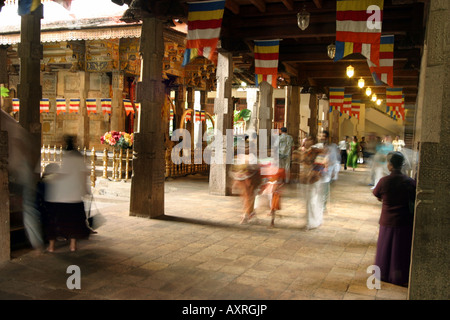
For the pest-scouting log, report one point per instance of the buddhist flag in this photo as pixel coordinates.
(358, 28)
(28, 6)
(356, 106)
(16, 105)
(394, 101)
(188, 116)
(203, 115)
(44, 105)
(347, 104)
(74, 105)
(171, 115)
(106, 106)
(266, 61)
(91, 106)
(137, 105)
(204, 25)
(336, 99)
(60, 106)
(384, 72)
(128, 106)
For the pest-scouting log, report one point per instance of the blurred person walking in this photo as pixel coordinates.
(286, 144)
(352, 160)
(397, 193)
(343, 148)
(64, 198)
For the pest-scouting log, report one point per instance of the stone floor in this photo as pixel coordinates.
(199, 251)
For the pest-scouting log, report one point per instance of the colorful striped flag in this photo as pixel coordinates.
(394, 101)
(384, 71)
(197, 115)
(336, 99)
(356, 107)
(203, 115)
(106, 105)
(16, 105)
(358, 28)
(171, 115)
(188, 116)
(204, 25)
(128, 106)
(91, 106)
(28, 6)
(44, 105)
(347, 104)
(60, 106)
(74, 105)
(137, 105)
(266, 61)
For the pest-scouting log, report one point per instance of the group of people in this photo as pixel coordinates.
(319, 163)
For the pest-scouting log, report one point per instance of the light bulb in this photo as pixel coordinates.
(379, 102)
(374, 97)
(368, 91)
(350, 71)
(361, 83)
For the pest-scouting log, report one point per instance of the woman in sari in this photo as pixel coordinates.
(352, 159)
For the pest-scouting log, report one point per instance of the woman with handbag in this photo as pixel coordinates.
(396, 192)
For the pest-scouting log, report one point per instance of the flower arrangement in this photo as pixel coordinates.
(118, 139)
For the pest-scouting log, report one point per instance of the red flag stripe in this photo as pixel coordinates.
(356, 15)
(266, 56)
(205, 24)
(364, 37)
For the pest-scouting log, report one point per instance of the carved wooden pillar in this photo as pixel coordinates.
(117, 112)
(180, 97)
(429, 278)
(30, 90)
(312, 121)
(219, 179)
(5, 245)
(293, 112)
(147, 183)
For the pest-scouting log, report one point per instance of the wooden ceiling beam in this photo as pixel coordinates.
(232, 6)
(289, 4)
(318, 3)
(260, 4)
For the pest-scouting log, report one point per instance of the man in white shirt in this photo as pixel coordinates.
(343, 147)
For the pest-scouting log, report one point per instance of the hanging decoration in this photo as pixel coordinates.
(384, 72)
(60, 106)
(347, 104)
(358, 28)
(128, 106)
(203, 115)
(204, 25)
(355, 110)
(336, 99)
(16, 105)
(74, 105)
(266, 61)
(44, 105)
(106, 105)
(91, 106)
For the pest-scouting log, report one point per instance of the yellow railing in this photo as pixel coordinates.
(117, 165)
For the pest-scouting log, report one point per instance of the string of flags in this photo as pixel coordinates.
(345, 104)
(74, 105)
(199, 115)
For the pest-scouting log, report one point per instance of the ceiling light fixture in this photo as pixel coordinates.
(331, 50)
(368, 91)
(378, 101)
(350, 71)
(374, 97)
(303, 19)
(361, 83)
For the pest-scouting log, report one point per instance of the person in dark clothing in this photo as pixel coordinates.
(396, 191)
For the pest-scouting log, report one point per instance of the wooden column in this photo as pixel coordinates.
(83, 120)
(5, 245)
(220, 182)
(312, 121)
(180, 96)
(117, 112)
(203, 101)
(190, 104)
(293, 112)
(147, 183)
(30, 90)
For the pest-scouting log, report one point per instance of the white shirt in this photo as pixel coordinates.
(69, 185)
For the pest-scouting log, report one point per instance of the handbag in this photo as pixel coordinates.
(94, 219)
